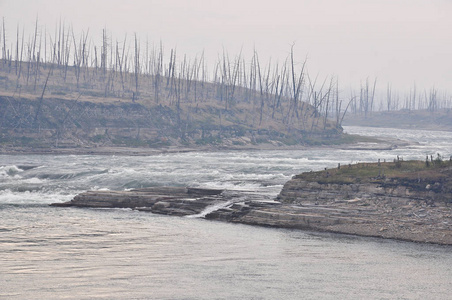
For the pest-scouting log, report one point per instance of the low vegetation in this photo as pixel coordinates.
(433, 174)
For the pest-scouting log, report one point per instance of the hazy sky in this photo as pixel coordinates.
(397, 41)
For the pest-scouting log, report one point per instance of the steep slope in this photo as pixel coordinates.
(60, 108)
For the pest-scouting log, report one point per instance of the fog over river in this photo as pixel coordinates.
(54, 253)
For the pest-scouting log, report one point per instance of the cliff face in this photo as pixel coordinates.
(299, 191)
(66, 123)
(429, 181)
(412, 202)
(62, 123)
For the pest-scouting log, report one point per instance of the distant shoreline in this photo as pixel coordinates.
(141, 151)
(440, 120)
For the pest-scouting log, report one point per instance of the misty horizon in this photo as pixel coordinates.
(400, 43)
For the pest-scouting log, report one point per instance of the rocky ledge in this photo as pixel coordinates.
(177, 201)
(386, 202)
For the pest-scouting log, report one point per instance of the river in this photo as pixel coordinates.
(70, 253)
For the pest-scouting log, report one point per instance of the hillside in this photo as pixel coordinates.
(404, 119)
(46, 105)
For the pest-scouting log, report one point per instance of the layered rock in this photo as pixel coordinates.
(397, 206)
(393, 218)
(57, 124)
(389, 207)
(163, 200)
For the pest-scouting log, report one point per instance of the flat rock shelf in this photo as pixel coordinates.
(392, 217)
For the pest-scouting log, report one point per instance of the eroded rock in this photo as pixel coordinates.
(366, 209)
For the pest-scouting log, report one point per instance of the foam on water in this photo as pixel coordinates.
(9, 171)
(33, 197)
(211, 208)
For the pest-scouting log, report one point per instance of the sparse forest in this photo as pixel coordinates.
(417, 109)
(194, 102)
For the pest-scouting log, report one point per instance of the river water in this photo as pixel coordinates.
(70, 253)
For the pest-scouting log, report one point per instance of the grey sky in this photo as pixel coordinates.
(397, 41)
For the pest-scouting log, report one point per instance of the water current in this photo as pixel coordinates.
(68, 253)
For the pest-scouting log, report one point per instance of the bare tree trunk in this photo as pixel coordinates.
(39, 108)
(373, 96)
(17, 50)
(4, 42)
(389, 97)
(137, 68)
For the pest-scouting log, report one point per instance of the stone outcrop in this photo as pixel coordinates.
(407, 200)
(370, 209)
(178, 201)
(57, 124)
(301, 205)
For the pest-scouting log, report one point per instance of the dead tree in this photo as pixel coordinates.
(137, 68)
(4, 42)
(39, 108)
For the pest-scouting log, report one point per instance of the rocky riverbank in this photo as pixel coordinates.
(351, 142)
(58, 124)
(367, 209)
